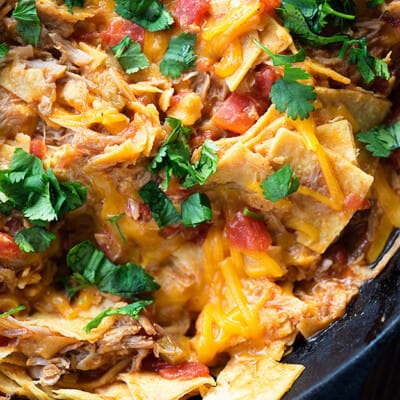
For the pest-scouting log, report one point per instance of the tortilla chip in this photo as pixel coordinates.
(367, 109)
(288, 147)
(73, 394)
(117, 390)
(255, 379)
(151, 386)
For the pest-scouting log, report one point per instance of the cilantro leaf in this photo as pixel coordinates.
(35, 239)
(280, 184)
(368, 66)
(174, 155)
(12, 311)
(150, 14)
(27, 187)
(131, 309)
(29, 26)
(291, 96)
(73, 3)
(161, 207)
(279, 59)
(374, 3)
(381, 140)
(249, 213)
(3, 50)
(196, 209)
(204, 167)
(180, 55)
(128, 280)
(130, 55)
(114, 221)
(306, 18)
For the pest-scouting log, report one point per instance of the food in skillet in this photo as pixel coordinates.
(186, 187)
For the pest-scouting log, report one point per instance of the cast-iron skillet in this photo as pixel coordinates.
(340, 361)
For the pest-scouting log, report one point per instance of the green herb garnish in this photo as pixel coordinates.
(196, 209)
(12, 311)
(28, 188)
(3, 50)
(114, 221)
(180, 55)
(91, 267)
(280, 184)
(381, 140)
(130, 55)
(131, 309)
(150, 14)
(73, 3)
(369, 66)
(28, 26)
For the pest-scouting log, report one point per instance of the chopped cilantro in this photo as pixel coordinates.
(180, 55)
(35, 239)
(174, 155)
(369, 66)
(3, 50)
(305, 19)
(150, 14)
(130, 55)
(12, 311)
(131, 309)
(279, 59)
(28, 188)
(161, 207)
(249, 213)
(196, 209)
(28, 21)
(381, 140)
(280, 184)
(91, 267)
(73, 3)
(292, 96)
(114, 221)
(374, 3)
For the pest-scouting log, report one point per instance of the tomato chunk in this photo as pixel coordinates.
(185, 370)
(264, 80)
(190, 12)
(354, 201)
(119, 28)
(236, 114)
(8, 247)
(248, 233)
(38, 147)
(270, 5)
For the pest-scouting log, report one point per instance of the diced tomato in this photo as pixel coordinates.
(185, 370)
(170, 231)
(199, 137)
(269, 6)
(190, 12)
(264, 80)
(354, 201)
(196, 234)
(236, 114)
(248, 233)
(8, 247)
(38, 147)
(118, 29)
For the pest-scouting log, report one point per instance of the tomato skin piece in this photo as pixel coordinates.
(247, 233)
(118, 29)
(190, 12)
(8, 247)
(38, 147)
(355, 202)
(264, 80)
(269, 6)
(185, 371)
(236, 114)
